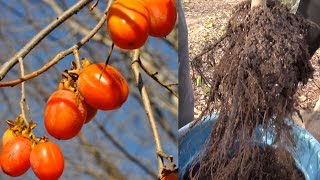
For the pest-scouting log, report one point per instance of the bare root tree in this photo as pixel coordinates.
(252, 89)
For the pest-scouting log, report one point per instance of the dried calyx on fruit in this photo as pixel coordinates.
(166, 172)
(21, 149)
(19, 128)
(169, 174)
(69, 78)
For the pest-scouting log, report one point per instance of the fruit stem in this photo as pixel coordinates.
(24, 103)
(108, 59)
(23, 96)
(147, 107)
(109, 55)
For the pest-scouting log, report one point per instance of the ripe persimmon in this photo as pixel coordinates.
(15, 156)
(163, 16)
(47, 161)
(128, 23)
(64, 114)
(106, 93)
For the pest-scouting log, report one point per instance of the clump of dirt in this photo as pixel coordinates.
(258, 72)
(277, 160)
(277, 163)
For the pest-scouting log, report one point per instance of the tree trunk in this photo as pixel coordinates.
(186, 99)
(255, 3)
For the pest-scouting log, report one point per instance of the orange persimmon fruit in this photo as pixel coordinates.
(163, 16)
(106, 93)
(128, 22)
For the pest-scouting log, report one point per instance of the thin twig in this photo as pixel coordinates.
(23, 95)
(59, 56)
(4, 69)
(173, 84)
(153, 76)
(77, 57)
(147, 106)
(29, 111)
(73, 24)
(94, 5)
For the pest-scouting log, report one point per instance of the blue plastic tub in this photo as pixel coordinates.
(307, 154)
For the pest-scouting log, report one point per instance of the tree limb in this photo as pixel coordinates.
(59, 56)
(113, 172)
(4, 69)
(75, 25)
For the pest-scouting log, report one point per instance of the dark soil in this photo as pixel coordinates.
(255, 78)
(277, 164)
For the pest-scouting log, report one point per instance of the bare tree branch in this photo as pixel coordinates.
(58, 57)
(41, 35)
(113, 172)
(85, 169)
(154, 77)
(166, 126)
(161, 119)
(94, 5)
(74, 25)
(147, 106)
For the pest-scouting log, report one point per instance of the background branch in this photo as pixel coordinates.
(59, 56)
(124, 151)
(113, 172)
(41, 35)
